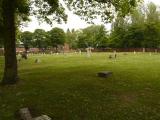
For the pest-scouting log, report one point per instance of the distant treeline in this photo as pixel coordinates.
(140, 29)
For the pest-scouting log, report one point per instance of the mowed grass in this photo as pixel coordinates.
(66, 87)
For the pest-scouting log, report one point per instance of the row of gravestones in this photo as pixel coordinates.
(25, 113)
(24, 56)
(111, 56)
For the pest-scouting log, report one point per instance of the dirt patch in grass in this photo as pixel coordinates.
(127, 99)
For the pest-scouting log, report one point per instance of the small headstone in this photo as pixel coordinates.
(115, 55)
(104, 74)
(37, 61)
(89, 51)
(110, 57)
(80, 52)
(144, 50)
(25, 114)
(19, 59)
(156, 50)
(43, 117)
(150, 54)
(24, 55)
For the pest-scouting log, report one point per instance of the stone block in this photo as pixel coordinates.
(25, 114)
(43, 117)
(104, 74)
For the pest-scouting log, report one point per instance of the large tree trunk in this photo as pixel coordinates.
(10, 70)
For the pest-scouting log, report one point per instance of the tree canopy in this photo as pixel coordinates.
(105, 9)
(93, 36)
(140, 29)
(26, 38)
(40, 39)
(57, 37)
(54, 10)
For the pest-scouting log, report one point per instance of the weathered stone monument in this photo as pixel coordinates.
(110, 57)
(37, 60)
(144, 50)
(156, 50)
(115, 54)
(19, 59)
(43, 117)
(104, 74)
(26, 115)
(89, 51)
(24, 55)
(150, 54)
(80, 52)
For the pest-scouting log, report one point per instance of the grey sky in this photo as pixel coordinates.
(73, 22)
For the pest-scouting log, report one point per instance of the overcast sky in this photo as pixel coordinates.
(73, 22)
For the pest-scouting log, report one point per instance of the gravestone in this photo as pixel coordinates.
(43, 117)
(25, 114)
(115, 55)
(19, 59)
(156, 50)
(104, 74)
(37, 60)
(150, 54)
(80, 52)
(89, 51)
(144, 50)
(24, 55)
(110, 57)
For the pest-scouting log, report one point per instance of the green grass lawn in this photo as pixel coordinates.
(66, 87)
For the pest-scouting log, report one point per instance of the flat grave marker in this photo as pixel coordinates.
(104, 74)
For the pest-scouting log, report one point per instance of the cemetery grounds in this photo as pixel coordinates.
(66, 87)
